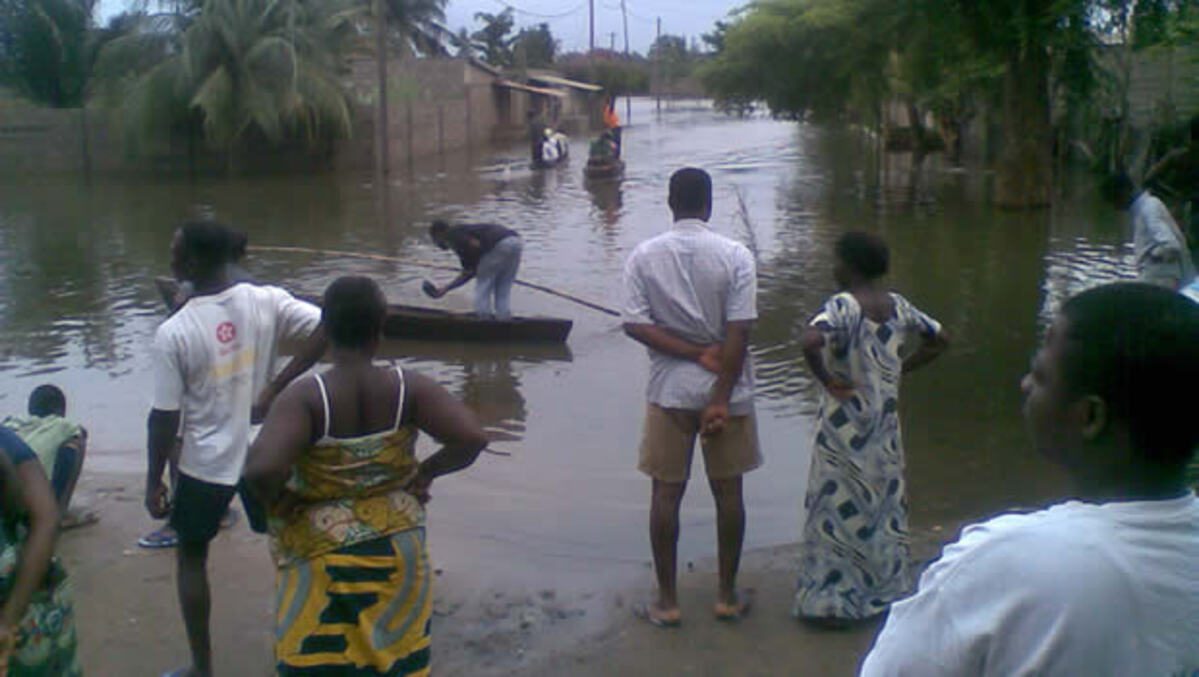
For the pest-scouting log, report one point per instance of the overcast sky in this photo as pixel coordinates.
(568, 18)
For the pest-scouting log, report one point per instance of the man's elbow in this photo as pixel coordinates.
(940, 341)
(162, 424)
(258, 476)
(474, 446)
(811, 342)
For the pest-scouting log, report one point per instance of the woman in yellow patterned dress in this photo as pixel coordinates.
(335, 463)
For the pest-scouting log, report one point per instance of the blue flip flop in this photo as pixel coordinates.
(160, 539)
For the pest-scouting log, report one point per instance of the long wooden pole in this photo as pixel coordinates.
(426, 264)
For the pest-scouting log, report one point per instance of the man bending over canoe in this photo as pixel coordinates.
(490, 255)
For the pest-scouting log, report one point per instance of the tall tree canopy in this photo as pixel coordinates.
(537, 45)
(46, 49)
(847, 58)
(494, 40)
(270, 67)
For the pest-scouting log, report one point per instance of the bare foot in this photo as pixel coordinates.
(736, 609)
(657, 616)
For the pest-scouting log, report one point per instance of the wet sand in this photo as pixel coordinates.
(483, 624)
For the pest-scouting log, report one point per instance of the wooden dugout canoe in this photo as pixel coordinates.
(432, 324)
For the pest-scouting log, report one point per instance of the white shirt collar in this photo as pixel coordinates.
(690, 224)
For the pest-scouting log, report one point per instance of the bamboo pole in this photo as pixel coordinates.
(426, 264)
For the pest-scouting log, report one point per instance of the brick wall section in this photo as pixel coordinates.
(434, 106)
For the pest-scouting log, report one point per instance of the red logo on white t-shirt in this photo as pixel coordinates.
(226, 332)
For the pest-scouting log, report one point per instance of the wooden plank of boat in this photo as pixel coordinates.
(603, 170)
(432, 324)
(545, 164)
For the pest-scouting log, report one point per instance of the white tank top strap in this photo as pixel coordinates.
(320, 382)
(400, 400)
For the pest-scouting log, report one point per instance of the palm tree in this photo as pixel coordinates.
(418, 25)
(274, 67)
(44, 49)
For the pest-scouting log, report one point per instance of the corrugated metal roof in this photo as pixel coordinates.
(563, 82)
(508, 84)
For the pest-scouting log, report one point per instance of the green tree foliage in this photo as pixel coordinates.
(617, 73)
(418, 26)
(494, 40)
(46, 50)
(849, 58)
(804, 58)
(674, 60)
(273, 68)
(538, 46)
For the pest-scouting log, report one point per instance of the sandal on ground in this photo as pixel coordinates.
(734, 612)
(162, 538)
(647, 612)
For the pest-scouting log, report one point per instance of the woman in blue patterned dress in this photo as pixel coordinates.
(854, 551)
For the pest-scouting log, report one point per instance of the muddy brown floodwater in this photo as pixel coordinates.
(77, 308)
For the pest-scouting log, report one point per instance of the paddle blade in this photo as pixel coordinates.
(429, 288)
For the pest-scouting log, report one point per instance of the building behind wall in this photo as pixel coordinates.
(442, 105)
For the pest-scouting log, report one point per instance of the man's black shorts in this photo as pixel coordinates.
(198, 507)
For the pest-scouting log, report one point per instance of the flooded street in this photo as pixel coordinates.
(78, 309)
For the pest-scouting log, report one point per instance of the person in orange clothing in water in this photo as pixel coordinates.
(612, 127)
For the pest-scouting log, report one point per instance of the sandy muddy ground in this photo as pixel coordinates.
(129, 623)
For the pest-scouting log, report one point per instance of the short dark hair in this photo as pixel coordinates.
(206, 244)
(866, 253)
(353, 311)
(1132, 344)
(1119, 188)
(439, 229)
(238, 241)
(690, 190)
(47, 400)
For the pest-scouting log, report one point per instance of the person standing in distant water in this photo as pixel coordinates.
(854, 552)
(612, 125)
(336, 465)
(490, 255)
(1104, 582)
(210, 359)
(535, 127)
(1160, 247)
(1179, 169)
(690, 298)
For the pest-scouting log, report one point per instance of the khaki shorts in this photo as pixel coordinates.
(668, 443)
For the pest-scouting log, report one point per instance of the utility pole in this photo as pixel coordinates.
(658, 67)
(628, 99)
(612, 41)
(591, 28)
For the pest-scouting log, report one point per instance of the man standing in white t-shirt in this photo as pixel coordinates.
(690, 298)
(1104, 584)
(211, 359)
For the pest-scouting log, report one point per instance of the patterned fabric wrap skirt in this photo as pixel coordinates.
(362, 610)
(46, 641)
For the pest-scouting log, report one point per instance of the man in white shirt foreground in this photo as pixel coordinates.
(210, 360)
(691, 300)
(1106, 583)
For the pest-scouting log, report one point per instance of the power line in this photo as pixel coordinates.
(541, 15)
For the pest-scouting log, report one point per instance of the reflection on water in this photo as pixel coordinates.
(77, 306)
